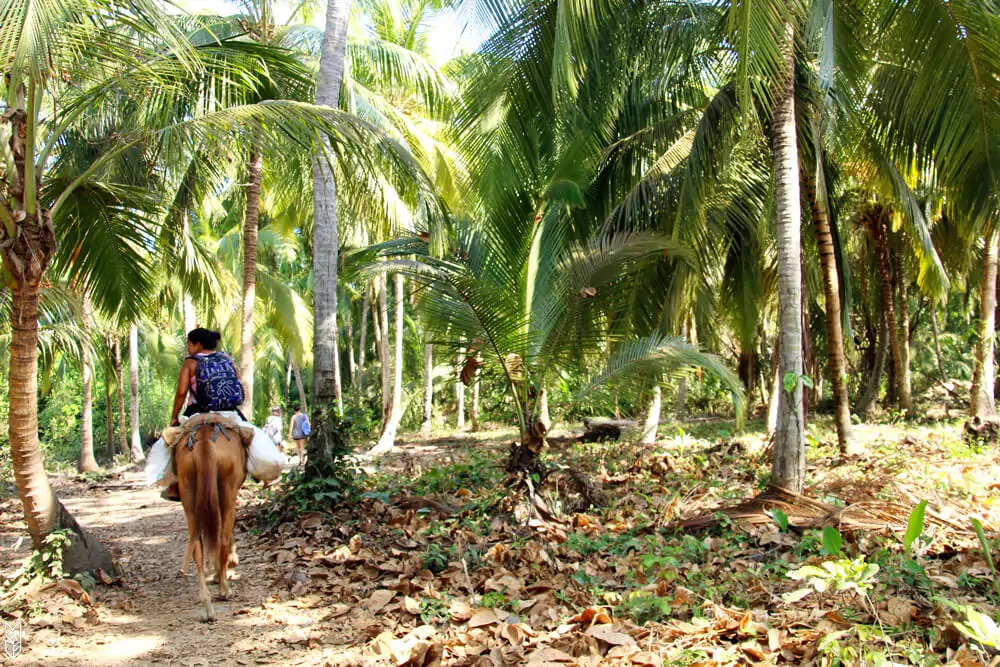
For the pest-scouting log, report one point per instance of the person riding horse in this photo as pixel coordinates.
(215, 368)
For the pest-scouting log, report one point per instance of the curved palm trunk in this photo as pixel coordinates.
(388, 439)
(119, 381)
(87, 462)
(25, 261)
(326, 442)
(834, 317)
(544, 418)
(428, 422)
(878, 224)
(789, 444)
(982, 402)
(109, 419)
(250, 228)
(133, 382)
(652, 422)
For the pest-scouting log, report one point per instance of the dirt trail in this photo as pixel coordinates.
(152, 618)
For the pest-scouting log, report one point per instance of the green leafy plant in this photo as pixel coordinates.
(834, 575)
(781, 519)
(977, 526)
(915, 525)
(977, 626)
(832, 541)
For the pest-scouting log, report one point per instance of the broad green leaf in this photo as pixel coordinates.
(915, 526)
(780, 518)
(832, 540)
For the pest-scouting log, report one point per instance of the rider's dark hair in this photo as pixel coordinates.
(296, 407)
(209, 340)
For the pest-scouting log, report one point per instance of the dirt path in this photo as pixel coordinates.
(152, 617)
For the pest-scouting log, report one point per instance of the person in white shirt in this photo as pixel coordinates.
(273, 425)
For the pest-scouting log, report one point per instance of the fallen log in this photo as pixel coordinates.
(601, 430)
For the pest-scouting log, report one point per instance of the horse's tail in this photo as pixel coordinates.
(207, 497)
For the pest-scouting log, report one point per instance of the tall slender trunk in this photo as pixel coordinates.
(870, 392)
(937, 343)
(187, 306)
(807, 351)
(250, 227)
(878, 224)
(475, 403)
(109, 419)
(383, 316)
(789, 444)
(982, 402)
(388, 439)
(301, 389)
(652, 422)
(352, 366)
(326, 245)
(428, 422)
(903, 309)
(362, 343)
(133, 382)
(288, 377)
(682, 383)
(834, 315)
(119, 382)
(459, 392)
(87, 461)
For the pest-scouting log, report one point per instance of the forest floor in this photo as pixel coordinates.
(441, 560)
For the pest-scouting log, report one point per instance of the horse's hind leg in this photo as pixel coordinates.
(207, 610)
(227, 503)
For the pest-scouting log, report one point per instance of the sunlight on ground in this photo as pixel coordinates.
(124, 651)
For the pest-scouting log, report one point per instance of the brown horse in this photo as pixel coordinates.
(210, 473)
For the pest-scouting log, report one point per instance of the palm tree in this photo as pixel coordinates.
(982, 401)
(326, 245)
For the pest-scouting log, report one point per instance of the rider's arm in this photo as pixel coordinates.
(183, 387)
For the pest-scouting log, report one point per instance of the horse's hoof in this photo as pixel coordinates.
(184, 572)
(208, 616)
(225, 597)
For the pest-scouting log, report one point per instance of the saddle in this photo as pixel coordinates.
(174, 435)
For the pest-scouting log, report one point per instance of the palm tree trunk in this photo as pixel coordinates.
(544, 418)
(459, 392)
(87, 461)
(26, 256)
(834, 315)
(300, 387)
(363, 342)
(789, 445)
(388, 439)
(870, 392)
(682, 386)
(250, 227)
(109, 421)
(903, 309)
(475, 404)
(133, 381)
(385, 352)
(982, 401)
(937, 342)
(652, 418)
(122, 433)
(888, 302)
(428, 422)
(326, 245)
(187, 306)
(351, 361)
(807, 351)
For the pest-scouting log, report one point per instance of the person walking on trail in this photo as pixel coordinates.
(273, 425)
(299, 431)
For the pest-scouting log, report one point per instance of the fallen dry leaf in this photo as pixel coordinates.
(647, 659)
(483, 617)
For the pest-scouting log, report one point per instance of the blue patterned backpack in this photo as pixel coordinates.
(217, 387)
